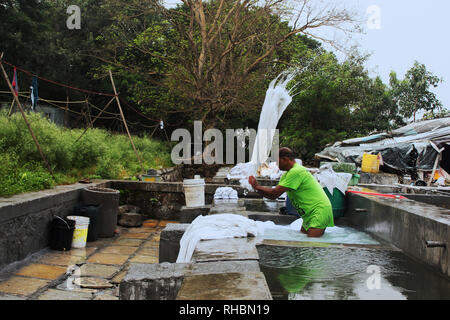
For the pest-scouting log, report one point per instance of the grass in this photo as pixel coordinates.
(98, 154)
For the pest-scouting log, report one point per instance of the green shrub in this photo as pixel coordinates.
(98, 154)
(15, 178)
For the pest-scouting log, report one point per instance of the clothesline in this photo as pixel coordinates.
(57, 83)
(79, 102)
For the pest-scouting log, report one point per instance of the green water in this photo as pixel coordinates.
(348, 274)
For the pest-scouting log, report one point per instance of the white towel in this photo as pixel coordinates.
(217, 226)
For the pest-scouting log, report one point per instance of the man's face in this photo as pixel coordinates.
(282, 163)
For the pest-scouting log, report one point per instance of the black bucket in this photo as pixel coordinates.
(91, 211)
(61, 233)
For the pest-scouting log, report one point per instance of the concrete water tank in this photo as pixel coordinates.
(108, 202)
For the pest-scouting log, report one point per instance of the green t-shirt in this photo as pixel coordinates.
(304, 191)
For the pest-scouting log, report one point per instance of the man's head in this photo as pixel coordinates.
(286, 159)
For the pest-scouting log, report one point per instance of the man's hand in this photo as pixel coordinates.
(252, 181)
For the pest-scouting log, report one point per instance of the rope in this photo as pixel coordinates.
(52, 102)
(57, 83)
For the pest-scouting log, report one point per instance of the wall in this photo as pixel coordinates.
(406, 224)
(25, 219)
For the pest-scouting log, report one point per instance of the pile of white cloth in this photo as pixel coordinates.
(243, 171)
(217, 226)
(329, 179)
(225, 193)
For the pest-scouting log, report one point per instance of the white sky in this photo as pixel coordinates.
(409, 30)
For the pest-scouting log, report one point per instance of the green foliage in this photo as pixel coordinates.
(98, 154)
(413, 93)
(16, 177)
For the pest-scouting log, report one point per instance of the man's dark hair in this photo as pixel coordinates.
(286, 153)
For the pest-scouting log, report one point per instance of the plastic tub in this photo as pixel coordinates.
(337, 202)
(81, 231)
(194, 192)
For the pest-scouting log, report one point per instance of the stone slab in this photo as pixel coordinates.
(107, 258)
(226, 249)
(54, 294)
(94, 283)
(127, 250)
(162, 281)
(187, 214)
(98, 270)
(215, 267)
(144, 259)
(225, 286)
(42, 271)
(22, 286)
(152, 281)
(169, 243)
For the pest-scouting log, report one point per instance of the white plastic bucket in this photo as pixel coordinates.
(81, 231)
(194, 192)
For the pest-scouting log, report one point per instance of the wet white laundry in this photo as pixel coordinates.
(223, 226)
(225, 193)
(243, 171)
(271, 171)
(330, 179)
(217, 226)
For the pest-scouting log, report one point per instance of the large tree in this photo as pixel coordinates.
(413, 92)
(210, 58)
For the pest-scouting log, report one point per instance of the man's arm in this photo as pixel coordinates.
(267, 192)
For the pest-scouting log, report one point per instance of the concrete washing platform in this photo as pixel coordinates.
(427, 240)
(225, 269)
(419, 229)
(210, 275)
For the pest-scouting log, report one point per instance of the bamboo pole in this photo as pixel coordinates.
(5, 75)
(96, 117)
(66, 109)
(11, 108)
(124, 121)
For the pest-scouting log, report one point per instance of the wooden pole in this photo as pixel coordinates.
(96, 117)
(5, 75)
(66, 109)
(124, 121)
(11, 108)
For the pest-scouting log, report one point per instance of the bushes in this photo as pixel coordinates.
(98, 154)
(16, 178)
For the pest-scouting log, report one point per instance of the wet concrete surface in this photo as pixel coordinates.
(225, 286)
(91, 273)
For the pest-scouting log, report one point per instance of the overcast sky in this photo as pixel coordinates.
(407, 30)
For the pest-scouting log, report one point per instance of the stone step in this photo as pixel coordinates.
(225, 286)
(226, 250)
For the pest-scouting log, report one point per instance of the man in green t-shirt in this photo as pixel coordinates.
(304, 192)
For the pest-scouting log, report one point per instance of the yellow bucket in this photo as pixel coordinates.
(370, 163)
(148, 178)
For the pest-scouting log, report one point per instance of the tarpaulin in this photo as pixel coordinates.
(413, 147)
